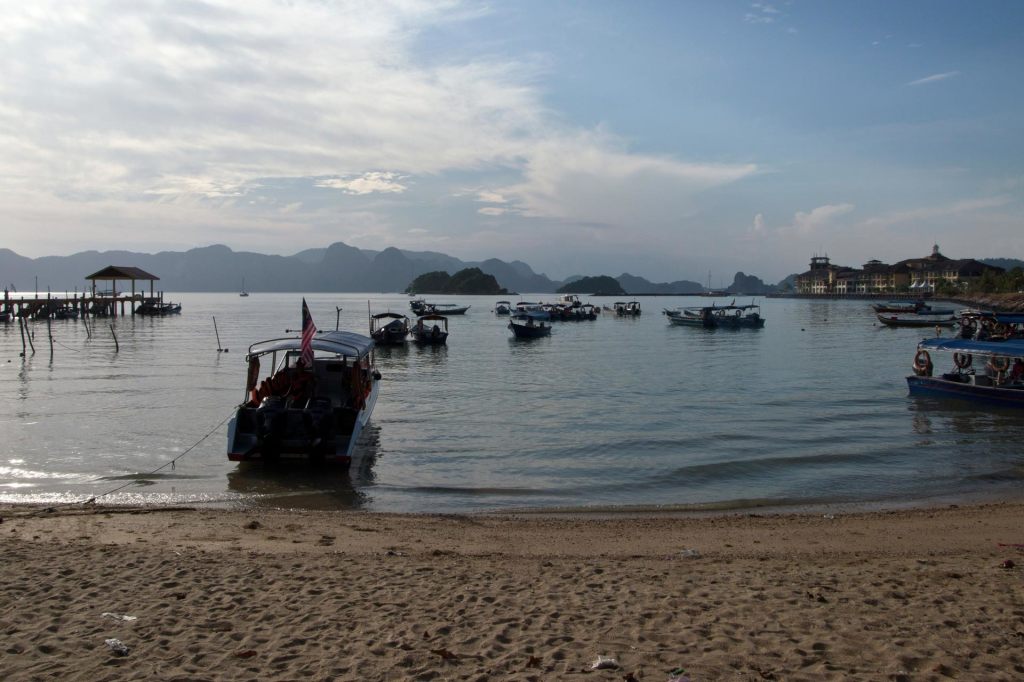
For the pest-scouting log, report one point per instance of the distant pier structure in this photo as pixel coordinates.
(105, 300)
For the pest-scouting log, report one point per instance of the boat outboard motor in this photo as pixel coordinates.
(271, 423)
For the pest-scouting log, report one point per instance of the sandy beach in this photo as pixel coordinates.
(199, 594)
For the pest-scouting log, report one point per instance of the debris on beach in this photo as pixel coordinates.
(117, 646)
(117, 616)
(253, 525)
(678, 675)
(1007, 564)
(445, 654)
(689, 554)
(604, 663)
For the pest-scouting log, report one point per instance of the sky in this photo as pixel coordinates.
(671, 140)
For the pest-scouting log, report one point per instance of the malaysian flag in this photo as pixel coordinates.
(308, 330)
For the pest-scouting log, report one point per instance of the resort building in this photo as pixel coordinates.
(915, 275)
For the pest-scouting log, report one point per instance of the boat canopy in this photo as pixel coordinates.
(1004, 318)
(340, 343)
(1010, 348)
(393, 316)
(432, 317)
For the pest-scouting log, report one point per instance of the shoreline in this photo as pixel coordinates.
(272, 594)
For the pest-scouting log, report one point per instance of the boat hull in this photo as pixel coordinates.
(891, 321)
(944, 387)
(328, 437)
(522, 331)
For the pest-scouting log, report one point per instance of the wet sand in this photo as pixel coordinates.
(289, 595)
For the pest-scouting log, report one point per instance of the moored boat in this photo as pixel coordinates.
(534, 310)
(314, 412)
(502, 308)
(983, 371)
(915, 320)
(714, 317)
(389, 329)
(157, 309)
(430, 330)
(626, 308)
(526, 327)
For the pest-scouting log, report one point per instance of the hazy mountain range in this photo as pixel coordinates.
(338, 267)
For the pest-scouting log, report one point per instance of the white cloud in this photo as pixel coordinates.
(492, 211)
(491, 197)
(927, 213)
(587, 179)
(935, 78)
(758, 228)
(806, 224)
(368, 183)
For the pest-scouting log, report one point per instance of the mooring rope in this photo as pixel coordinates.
(163, 466)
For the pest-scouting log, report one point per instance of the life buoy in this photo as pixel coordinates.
(999, 329)
(999, 363)
(923, 363)
(962, 360)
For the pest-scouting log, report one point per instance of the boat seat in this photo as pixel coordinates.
(982, 380)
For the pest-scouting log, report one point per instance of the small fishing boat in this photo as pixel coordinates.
(918, 307)
(421, 307)
(430, 330)
(626, 309)
(157, 309)
(65, 313)
(296, 412)
(715, 317)
(983, 371)
(570, 300)
(534, 310)
(6, 316)
(243, 293)
(915, 320)
(502, 308)
(983, 325)
(446, 309)
(389, 329)
(526, 327)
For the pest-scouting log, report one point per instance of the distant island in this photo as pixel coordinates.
(469, 282)
(601, 285)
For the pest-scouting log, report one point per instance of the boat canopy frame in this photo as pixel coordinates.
(345, 344)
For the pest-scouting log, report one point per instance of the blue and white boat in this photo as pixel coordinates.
(715, 317)
(533, 310)
(305, 413)
(983, 371)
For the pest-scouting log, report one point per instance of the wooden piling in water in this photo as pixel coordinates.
(117, 346)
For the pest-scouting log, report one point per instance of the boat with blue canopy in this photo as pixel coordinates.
(299, 412)
(983, 371)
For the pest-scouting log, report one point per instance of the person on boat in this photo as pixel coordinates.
(1017, 371)
(301, 387)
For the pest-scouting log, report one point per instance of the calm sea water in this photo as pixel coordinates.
(813, 409)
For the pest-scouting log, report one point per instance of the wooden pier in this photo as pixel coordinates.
(75, 305)
(108, 303)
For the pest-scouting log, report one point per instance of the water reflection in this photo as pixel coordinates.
(296, 487)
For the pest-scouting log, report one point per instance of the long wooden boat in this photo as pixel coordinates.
(389, 329)
(525, 327)
(913, 320)
(983, 371)
(305, 413)
(430, 330)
